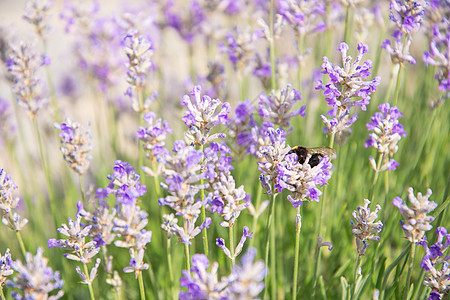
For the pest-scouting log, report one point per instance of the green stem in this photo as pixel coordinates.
(141, 124)
(296, 253)
(55, 108)
(347, 25)
(231, 246)
(83, 197)
(43, 160)
(301, 41)
(269, 237)
(91, 290)
(411, 265)
(355, 274)
(141, 286)
(188, 259)
(397, 85)
(21, 244)
(204, 232)
(169, 264)
(255, 217)
(2, 296)
(375, 176)
(272, 46)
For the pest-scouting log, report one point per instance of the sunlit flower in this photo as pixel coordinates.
(365, 227)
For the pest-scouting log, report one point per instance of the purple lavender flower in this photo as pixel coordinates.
(203, 114)
(125, 184)
(271, 157)
(82, 251)
(8, 203)
(302, 179)
(37, 14)
(221, 243)
(244, 282)
(439, 56)
(277, 109)
(303, 16)
(137, 264)
(416, 220)
(347, 88)
(364, 227)
(5, 267)
(139, 51)
(240, 47)
(436, 263)
(23, 64)
(34, 279)
(187, 22)
(101, 220)
(75, 145)
(407, 17)
(387, 132)
(153, 136)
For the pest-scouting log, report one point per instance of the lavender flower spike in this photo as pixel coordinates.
(8, 202)
(36, 13)
(5, 267)
(203, 114)
(23, 64)
(387, 132)
(364, 227)
(35, 279)
(437, 264)
(416, 220)
(75, 145)
(277, 109)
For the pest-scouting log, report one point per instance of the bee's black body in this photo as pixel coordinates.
(316, 154)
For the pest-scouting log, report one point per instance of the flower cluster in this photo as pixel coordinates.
(124, 183)
(187, 22)
(347, 88)
(36, 13)
(76, 241)
(8, 202)
(302, 179)
(244, 282)
(75, 145)
(439, 56)
(387, 132)
(416, 220)
(5, 267)
(303, 16)
(365, 227)
(23, 64)
(278, 109)
(6, 127)
(203, 114)
(181, 174)
(437, 264)
(240, 48)
(139, 52)
(35, 279)
(272, 155)
(407, 17)
(153, 136)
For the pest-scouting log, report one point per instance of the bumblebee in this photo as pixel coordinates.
(317, 153)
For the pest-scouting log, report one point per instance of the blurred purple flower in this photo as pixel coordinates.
(416, 220)
(439, 56)
(34, 279)
(304, 17)
(187, 22)
(5, 267)
(37, 14)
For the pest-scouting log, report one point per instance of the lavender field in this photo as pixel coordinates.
(224, 149)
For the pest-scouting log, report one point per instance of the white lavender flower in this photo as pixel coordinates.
(92, 274)
(34, 279)
(75, 145)
(5, 267)
(23, 64)
(82, 251)
(437, 264)
(8, 202)
(364, 227)
(137, 264)
(203, 114)
(221, 243)
(101, 220)
(37, 14)
(416, 221)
